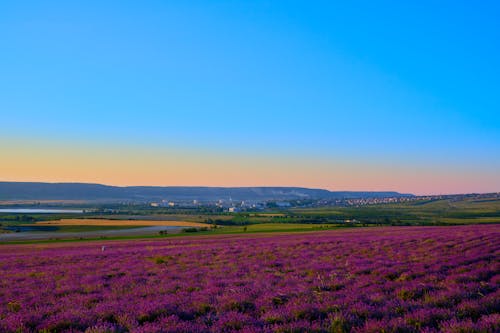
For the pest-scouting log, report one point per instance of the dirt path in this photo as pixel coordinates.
(20, 236)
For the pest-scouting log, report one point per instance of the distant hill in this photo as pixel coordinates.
(97, 192)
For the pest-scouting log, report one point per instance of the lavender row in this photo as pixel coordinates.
(417, 279)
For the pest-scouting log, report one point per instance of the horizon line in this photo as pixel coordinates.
(258, 186)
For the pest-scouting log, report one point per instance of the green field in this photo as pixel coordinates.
(431, 212)
(446, 211)
(274, 227)
(413, 213)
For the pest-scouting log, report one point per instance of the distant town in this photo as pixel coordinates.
(236, 206)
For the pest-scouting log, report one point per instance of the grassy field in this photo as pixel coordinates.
(431, 212)
(273, 227)
(417, 212)
(224, 230)
(120, 223)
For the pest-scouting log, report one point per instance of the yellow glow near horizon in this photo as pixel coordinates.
(139, 166)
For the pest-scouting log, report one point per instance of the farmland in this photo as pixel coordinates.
(118, 223)
(420, 212)
(451, 211)
(396, 279)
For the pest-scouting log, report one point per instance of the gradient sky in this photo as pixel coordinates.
(354, 95)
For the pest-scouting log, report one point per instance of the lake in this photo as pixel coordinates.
(40, 211)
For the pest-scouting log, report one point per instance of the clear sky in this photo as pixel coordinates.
(343, 95)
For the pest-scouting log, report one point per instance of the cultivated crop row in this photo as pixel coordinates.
(413, 279)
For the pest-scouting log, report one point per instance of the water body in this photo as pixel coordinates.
(40, 211)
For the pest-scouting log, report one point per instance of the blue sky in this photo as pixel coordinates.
(360, 81)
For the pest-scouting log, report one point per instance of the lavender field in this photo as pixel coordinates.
(411, 279)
